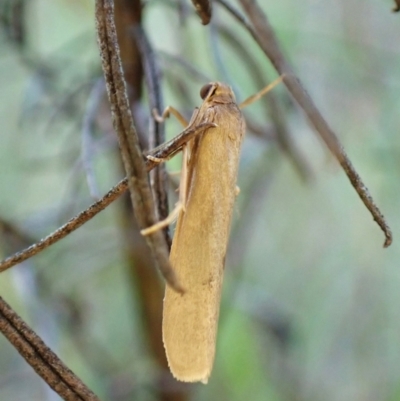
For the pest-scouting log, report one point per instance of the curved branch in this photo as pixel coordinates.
(264, 35)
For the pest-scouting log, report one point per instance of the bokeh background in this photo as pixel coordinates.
(311, 300)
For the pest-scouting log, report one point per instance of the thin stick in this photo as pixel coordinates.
(138, 184)
(163, 152)
(41, 358)
(265, 37)
(72, 225)
(171, 147)
(272, 103)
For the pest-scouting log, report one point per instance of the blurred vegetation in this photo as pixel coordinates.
(311, 301)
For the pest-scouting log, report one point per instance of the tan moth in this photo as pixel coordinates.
(204, 212)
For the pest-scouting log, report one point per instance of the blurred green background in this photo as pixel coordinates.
(311, 301)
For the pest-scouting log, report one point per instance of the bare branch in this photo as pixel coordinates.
(67, 228)
(265, 38)
(162, 152)
(272, 104)
(138, 184)
(42, 359)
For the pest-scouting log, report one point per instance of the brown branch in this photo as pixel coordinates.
(272, 104)
(204, 10)
(265, 38)
(138, 184)
(127, 14)
(163, 152)
(140, 263)
(42, 359)
(396, 8)
(67, 228)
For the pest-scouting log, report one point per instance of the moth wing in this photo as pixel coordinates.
(199, 246)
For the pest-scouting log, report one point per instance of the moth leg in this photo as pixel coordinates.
(260, 94)
(164, 223)
(184, 184)
(158, 160)
(167, 112)
(180, 205)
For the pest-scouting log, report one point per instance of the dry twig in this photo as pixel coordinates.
(264, 35)
(42, 359)
(138, 184)
(162, 152)
(272, 104)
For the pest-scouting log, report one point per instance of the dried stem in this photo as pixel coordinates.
(163, 152)
(42, 359)
(272, 104)
(67, 228)
(265, 38)
(138, 184)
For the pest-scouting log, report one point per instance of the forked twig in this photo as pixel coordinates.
(42, 359)
(264, 35)
(162, 152)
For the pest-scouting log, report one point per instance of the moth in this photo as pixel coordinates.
(204, 213)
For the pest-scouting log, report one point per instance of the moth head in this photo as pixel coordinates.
(217, 92)
(208, 90)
